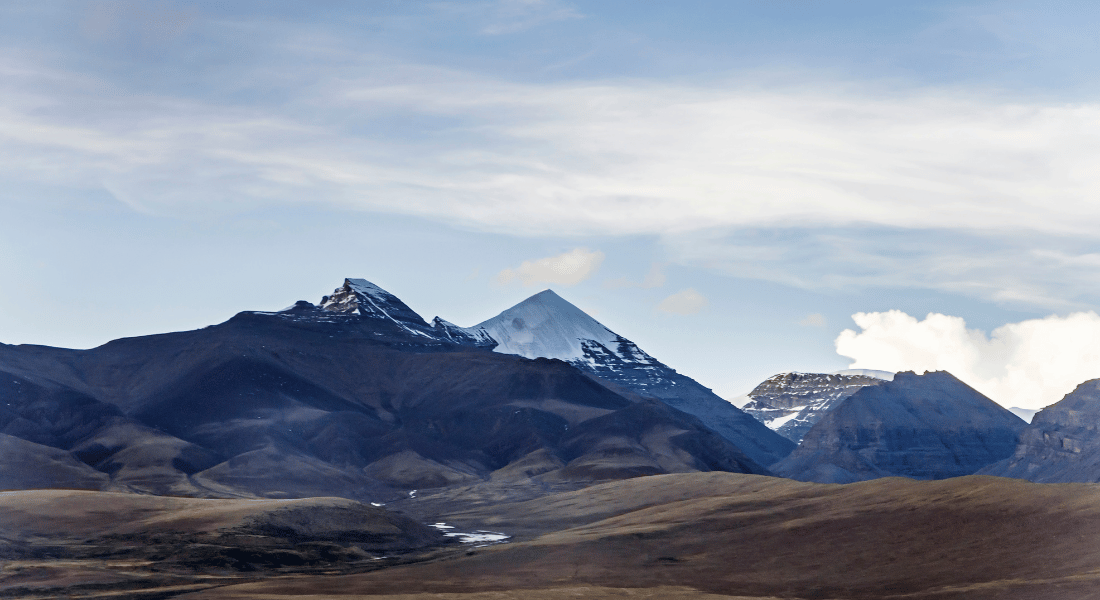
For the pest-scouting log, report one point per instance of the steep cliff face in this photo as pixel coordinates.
(791, 403)
(930, 426)
(1062, 444)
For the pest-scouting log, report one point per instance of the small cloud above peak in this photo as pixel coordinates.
(684, 302)
(569, 268)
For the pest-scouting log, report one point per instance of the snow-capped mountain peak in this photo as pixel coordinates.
(546, 325)
(361, 297)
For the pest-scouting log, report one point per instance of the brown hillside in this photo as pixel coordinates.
(751, 536)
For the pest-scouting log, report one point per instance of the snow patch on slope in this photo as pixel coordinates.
(778, 422)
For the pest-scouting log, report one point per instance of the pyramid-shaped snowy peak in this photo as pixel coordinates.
(546, 325)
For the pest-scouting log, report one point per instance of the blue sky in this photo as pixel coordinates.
(726, 183)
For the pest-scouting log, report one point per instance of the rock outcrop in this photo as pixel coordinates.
(791, 403)
(1062, 444)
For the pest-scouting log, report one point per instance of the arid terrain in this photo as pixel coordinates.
(697, 535)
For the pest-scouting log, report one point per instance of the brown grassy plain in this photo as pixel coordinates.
(722, 535)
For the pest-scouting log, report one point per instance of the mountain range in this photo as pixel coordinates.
(357, 396)
(339, 448)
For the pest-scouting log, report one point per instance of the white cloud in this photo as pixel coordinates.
(813, 320)
(1030, 364)
(569, 268)
(684, 302)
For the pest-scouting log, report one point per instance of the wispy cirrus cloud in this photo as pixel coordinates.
(1020, 268)
(627, 157)
(986, 197)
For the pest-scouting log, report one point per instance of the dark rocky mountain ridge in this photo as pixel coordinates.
(929, 426)
(353, 398)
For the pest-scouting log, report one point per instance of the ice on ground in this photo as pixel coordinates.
(483, 537)
(480, 536)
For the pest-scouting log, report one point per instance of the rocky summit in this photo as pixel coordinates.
(791, 403)
(1062, 444)
(929, 426)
